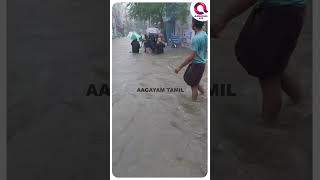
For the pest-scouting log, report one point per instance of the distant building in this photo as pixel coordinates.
(119, 19)
(179, 32)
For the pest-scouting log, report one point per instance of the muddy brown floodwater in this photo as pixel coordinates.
(155, 134)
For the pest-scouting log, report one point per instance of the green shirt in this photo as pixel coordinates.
(199, 45)
(280, 2)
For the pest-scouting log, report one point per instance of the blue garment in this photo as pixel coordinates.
(199, 45)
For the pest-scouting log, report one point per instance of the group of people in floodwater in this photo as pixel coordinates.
(195, 61)
(152, 43)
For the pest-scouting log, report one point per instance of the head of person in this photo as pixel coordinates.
(197, 25)
(158, 40)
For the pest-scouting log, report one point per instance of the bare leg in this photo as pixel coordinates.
(194, 92)
(292, 88)
(201, 89)
(271, 101)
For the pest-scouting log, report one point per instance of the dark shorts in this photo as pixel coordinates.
(268, 39)
(146, 45)
(193, 74)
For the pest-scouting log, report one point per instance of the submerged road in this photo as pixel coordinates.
(155, 133)
(55, 50)
(243, 149)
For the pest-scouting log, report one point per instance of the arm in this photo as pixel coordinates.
(187, 61)
(233, 9)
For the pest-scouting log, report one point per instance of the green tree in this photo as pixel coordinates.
(178, 10)
(151, 12)
(155, 12)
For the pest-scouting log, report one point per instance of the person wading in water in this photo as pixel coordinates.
(265, 45)
(196, 61)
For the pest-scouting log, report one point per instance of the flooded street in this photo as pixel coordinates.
(243, 149)
(155, 133)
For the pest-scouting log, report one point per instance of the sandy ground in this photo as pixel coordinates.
(243, 149)
(55, 50)
(155, 134)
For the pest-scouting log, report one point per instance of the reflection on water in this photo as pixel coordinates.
(155, 134)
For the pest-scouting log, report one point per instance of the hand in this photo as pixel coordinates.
(219, 23)
(177, 70)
